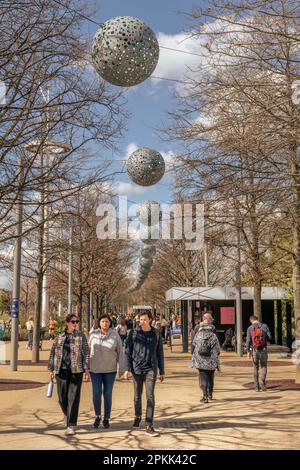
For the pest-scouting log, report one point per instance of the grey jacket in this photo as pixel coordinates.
(106, 351)
(206, 362)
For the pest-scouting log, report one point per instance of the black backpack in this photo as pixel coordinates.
(205, 348)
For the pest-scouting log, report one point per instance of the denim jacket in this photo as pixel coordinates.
(79, 352)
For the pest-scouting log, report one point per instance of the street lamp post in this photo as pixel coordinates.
(17, 278)
(70, 280)
(46, 149)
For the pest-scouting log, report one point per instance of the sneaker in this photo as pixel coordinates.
(150, 431)
(264, 387)
(257, 389)
(210, 397)
(106, 423)
(137, 422)
(204, 400)
(97, 422)
(70, 431)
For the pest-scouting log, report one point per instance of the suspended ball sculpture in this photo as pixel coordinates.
(125, 51)
(145, 167)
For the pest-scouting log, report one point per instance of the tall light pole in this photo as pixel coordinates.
(206, 267)
(17, 277)
(46, 149)
(238, 299)
(70, 280)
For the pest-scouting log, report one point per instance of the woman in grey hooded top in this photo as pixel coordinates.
(106, 354)
(205, 358)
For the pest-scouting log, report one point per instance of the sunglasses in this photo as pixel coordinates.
(74, 321)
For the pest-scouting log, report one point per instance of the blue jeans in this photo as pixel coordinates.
(106, 382)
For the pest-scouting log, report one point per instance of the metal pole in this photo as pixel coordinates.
(185, 326)
(70, 281)
(17, 279)
(239, 312)
(91, 311)
(206, 272)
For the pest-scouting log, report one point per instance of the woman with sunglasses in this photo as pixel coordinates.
(68, 362)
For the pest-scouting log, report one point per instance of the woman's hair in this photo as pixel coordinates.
(70, 316)
(122, 322)
(105, 315)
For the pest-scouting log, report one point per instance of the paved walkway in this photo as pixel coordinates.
(238, 418)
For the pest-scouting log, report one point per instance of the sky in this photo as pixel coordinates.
(149, 101)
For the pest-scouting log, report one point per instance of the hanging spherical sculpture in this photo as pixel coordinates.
(145, 167)
(125, 51)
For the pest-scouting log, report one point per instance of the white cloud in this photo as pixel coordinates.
(128, 189)
(5, 280)
(174, 64)
(132, 147)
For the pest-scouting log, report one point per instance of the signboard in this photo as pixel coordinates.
(227, 316)
(15, 308)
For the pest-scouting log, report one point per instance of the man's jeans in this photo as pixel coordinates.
(105, 381)
(149, 378)
(260, 358)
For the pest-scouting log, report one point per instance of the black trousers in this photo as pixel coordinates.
(206, 382)
(138, 379)
(68, 390)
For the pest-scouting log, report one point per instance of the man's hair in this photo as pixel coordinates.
(253, 317)
(146, 312)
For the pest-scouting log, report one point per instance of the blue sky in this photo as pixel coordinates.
(149, 101)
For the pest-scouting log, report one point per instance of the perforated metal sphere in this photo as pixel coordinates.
(149, 213)
(125, 51)
(145, 166)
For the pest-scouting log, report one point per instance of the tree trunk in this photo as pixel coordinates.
(296, 247)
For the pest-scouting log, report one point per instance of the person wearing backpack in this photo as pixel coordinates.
(205, 358)
(121, 328)
(143, 356)
(258, 335)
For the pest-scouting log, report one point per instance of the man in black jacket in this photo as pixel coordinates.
(143, 356)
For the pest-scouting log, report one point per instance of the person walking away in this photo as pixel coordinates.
(129, 322)
(122, 330)
(258, 335)
(228, 339)
(68, 363)
(106, 353)
(29, 329)
(144, 355)
(205, 358)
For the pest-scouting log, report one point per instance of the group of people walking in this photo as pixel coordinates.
(140, 355)
(74, 358)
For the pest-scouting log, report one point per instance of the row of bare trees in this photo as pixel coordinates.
(237, 121)
(57, 118)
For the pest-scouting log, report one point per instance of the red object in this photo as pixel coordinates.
(257, 336)
(227, 316)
